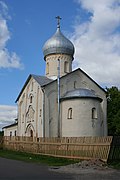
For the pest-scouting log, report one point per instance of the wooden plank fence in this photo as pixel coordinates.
(79, 147)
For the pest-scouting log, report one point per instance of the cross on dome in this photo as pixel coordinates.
(58, 21)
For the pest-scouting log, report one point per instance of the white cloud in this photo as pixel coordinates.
(97, 41)
(7, 59)
(8, 115)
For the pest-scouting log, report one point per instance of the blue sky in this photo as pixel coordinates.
(93, 26)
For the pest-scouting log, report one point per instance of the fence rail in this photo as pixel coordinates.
(103, 148)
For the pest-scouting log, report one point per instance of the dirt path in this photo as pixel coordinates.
(89, 170)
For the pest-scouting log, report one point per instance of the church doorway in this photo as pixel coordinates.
(31, 133)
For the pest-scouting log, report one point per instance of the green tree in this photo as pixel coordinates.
(1, 133)
(113, 110)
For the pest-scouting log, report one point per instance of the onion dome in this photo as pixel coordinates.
(81, 93)
(58, 44)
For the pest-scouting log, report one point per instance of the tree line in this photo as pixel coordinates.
(113, 111)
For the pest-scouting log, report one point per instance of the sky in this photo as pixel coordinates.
(25, 25)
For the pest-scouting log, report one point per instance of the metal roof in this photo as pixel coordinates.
(58, 43)
(11, 125)
(42, 80)
(80, 93)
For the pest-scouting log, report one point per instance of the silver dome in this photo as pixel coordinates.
(81, 93)
(58, 43)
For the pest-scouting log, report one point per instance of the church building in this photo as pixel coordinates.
(63, 103)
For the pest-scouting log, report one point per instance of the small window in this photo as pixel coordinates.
(47, 68)
(69, 116)
(31, 99)
(94, 113)
(15, 133)
(10, 133)
(75, 84)
(66, 67)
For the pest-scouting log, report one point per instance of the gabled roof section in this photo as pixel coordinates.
(41, 80)
(91, 79)
(84, 74)
(11, 125)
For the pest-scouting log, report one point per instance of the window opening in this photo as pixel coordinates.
(10, 133)
(31, 98)
(15, 133)
(66, 67)
(75, 83)
(94, 113)
(47, 68)
(70, 113)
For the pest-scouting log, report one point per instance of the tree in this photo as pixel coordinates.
(113, 110)
(1, 133)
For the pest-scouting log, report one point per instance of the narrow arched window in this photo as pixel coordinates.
(75, 84)
(15, 133)
(31, 99)
(66, 67)
(69, 115)
(94, 113)
(47, 68)
(10, 133)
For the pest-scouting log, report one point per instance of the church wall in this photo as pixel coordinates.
(51, 123)
(67, 83)
(79, 121)
(11, 131)
(30, 110)
(80, 80)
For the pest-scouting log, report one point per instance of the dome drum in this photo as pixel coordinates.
(58, 50)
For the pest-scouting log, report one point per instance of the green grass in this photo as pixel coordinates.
(114, 164)
(35, 158)
(42, 159)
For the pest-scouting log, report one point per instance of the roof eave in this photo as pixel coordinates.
(23, 87)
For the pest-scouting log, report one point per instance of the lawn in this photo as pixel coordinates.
(36, 158)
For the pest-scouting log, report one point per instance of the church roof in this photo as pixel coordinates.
(77, 70)
(58, 44)
(42, 80)
(11, 125)
(81, 93)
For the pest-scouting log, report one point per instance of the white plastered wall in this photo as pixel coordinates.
(11, 131)
(72, 81)
(81, 122)
(24, 105)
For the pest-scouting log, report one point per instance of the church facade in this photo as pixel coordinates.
(63, 103)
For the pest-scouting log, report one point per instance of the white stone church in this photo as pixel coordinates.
(63, 103)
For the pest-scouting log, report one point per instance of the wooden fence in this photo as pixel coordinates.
(80, 148)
